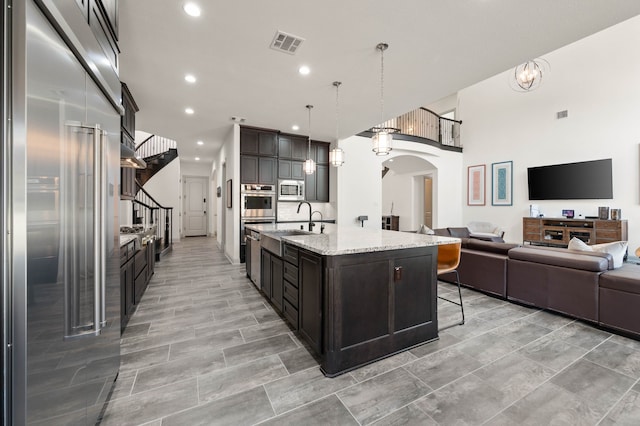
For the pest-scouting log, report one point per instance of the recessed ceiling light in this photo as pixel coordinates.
(304, 70)
(197, 158)
(191, 9)
(200, 143)
(189, 110)
(295, 127)
(190, 78)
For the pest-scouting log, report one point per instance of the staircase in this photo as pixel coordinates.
(155, 163)
(157, 152)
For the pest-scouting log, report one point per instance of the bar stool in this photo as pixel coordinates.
(448, 261)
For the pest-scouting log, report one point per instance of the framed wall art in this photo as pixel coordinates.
(229, 194)
(502, 183)
(476, 185)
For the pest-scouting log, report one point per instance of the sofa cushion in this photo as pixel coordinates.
(625, 278)
(424, 229)
(491, 247)
(586, 261)
(578, 244)
(617, 249)
(442, 232)
(459, 232)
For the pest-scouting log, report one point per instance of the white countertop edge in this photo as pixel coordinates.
(296, 240)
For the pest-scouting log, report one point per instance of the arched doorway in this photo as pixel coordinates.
(409, 191)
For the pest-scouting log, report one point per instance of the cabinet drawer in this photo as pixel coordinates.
(290, 313)
(290, 273)
(290, 254)
(291, 293)
(140, 261)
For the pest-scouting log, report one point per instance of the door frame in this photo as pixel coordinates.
(205, 179)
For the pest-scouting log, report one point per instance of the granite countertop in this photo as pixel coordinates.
(126, 239)
(337, 240)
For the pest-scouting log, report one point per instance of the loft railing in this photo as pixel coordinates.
(155, 145)
(147, 211)
(425, 123)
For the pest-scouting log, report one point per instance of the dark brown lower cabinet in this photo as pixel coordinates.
(271, 278)
(277, 284)
(358, 308)
(310, 298)
(126, 293)
(140, 283)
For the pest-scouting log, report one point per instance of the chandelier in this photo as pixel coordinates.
(309, 165)
(336, 155)
(528, 76)
(383, 138)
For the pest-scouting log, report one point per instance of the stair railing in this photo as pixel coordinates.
(425, 123)
(148, 212)
(155, 145)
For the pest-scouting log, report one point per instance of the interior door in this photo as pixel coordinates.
(195, 206)
(428, 202)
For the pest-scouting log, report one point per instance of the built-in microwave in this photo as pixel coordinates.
(291, 190)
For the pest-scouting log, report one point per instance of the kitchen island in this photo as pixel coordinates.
(356, 295)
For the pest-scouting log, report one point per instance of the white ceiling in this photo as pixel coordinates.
(436, 47)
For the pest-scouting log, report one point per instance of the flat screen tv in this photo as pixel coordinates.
(586, 180)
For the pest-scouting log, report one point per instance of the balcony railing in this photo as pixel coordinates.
(424, 123)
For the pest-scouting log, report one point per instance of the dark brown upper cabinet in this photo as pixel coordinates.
(292, 147)
(258, 142)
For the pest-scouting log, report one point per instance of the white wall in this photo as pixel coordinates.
(360, 185)
(230, 157)
(595, 79)
(165, 188)
(191, 168)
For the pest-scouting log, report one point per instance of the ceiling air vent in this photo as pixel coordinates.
(287, 43)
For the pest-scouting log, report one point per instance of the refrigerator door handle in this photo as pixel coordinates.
(99, 234)
(93, 328)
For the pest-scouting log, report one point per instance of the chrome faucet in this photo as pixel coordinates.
(311, 224)
(321, 218)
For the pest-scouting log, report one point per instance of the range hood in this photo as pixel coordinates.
(128, 158)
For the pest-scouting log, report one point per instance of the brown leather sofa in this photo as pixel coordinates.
(580, 284)
(557, 279)
(620, 299)
(483, 264)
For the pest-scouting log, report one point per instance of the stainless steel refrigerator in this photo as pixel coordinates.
(64, 290)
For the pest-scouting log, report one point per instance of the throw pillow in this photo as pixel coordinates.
(424, 229)
(616, 249)
(578, 244)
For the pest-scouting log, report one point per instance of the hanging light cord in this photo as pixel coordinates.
(337, 84)
(309, 145)
(382, 85)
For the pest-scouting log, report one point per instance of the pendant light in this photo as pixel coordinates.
(528, 76)
(382, 139)
(336, 155)
(309, 164)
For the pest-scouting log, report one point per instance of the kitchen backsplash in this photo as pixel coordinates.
(287, 211)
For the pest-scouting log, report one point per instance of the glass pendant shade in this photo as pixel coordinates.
(336, 157)
(382, 143)
(309, 166)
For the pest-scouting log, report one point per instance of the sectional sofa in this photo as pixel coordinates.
(580, 284)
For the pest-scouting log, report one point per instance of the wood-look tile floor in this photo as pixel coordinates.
(205, 348)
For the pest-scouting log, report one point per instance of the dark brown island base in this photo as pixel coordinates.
(354, 295)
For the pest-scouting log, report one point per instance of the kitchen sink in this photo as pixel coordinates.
(272, 240)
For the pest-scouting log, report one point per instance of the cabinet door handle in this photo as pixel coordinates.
(397, 273)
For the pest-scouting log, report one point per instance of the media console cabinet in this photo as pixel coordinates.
(558, 232)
